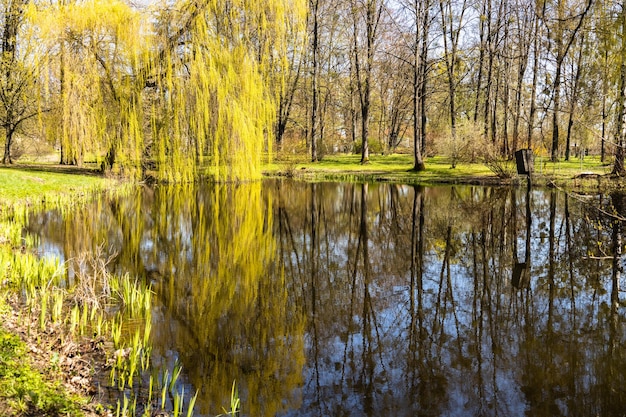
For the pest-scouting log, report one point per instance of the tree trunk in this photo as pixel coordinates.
(561, 52)
(372, 16)
(481, 58)
(554, 154)
(450, 48)
(521, 69)
(618, 164)
(12, 19)
(7, 147)
(539, 13)
(363, 70)
(488, 81)
(109, 160)
(419, 80)
(572, 108)
(604, 112)
(314, 5)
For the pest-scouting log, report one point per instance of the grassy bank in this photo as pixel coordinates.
(59, 340)
(32, 377)
(576, 173)
(29, 185)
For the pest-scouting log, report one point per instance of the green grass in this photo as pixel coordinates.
(398, 168)
(74, 312)
(24, 389)
(27, 184)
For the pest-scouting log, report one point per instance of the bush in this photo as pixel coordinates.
(374, 146)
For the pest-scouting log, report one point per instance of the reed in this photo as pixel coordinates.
(235, 402)
(164, 386)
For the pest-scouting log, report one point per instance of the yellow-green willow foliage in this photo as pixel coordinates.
(175, 89)
(216, 103)
(95, 48)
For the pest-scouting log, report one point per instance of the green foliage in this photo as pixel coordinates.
(121, 88)
(25, 390)
(374, 145)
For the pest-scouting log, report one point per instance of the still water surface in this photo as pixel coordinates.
(373, 300)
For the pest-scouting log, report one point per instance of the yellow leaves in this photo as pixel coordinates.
(213, 67)
(96, 17)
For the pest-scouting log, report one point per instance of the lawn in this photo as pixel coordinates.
(27, 184)
(397, 168)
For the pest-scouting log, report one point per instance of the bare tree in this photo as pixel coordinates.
(618, 164)
(563, 43)
(366, 17)
(452, 21)
(421, 10)
(314, 10)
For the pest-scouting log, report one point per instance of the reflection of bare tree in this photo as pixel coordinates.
(424, 378)
(521, 270)
(615, 372)
(314, 249)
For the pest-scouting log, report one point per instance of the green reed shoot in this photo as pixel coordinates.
(178, 368)
(116, 333)
(192, 404)
(74, 319)
(99, 327)
(145, 358)
(83, 319)
(147, 329)
(150, 388)
(235, 402)
(178, 403)
(164, 388)
(133, 358)
(57, 305)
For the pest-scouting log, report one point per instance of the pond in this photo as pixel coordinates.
(335, 299)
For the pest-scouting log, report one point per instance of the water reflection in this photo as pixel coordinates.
(340, 299)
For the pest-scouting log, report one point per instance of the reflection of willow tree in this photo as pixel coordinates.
(221, 283)
(211, 254)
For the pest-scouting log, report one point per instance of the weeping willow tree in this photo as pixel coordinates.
(217, 73)
(94, 50)
(177, 91)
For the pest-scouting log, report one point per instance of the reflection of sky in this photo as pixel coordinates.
(50, 250)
